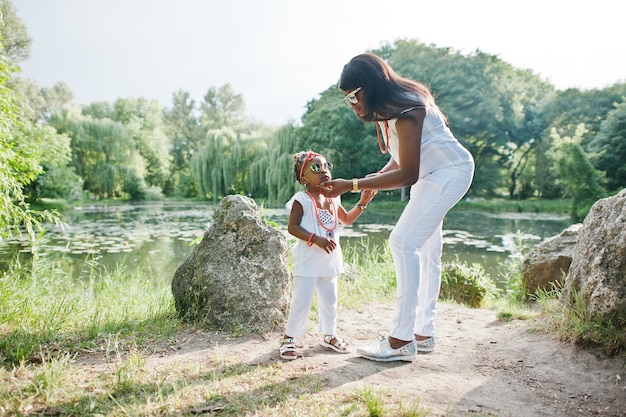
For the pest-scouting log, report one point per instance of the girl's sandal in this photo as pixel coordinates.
(335, 343)
(288, 349)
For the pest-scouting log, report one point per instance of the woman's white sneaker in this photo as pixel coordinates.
(426, 345)
(383, 352)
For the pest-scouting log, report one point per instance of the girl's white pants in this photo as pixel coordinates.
(302, 297)
(416, 248)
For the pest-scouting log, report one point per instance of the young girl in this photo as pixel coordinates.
(317, 259)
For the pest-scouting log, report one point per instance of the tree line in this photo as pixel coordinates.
(529, 140)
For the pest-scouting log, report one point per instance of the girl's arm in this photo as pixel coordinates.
(294, 228)
(295, 217)
(349, 217)
(389, 166)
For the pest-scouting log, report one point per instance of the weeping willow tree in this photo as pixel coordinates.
(271, 171)
(216, 165)
(104, 154)
(584, 184)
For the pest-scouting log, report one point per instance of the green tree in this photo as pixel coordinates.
(21, 152)
(461, 87)
(571, 107)
(222, 107)
(216, 166)
(53, 100)
(17, 166)
(331, 128)
(58, 179)
(14, 36)
(221, 164)
(583, 183)
(493, 108)
(269, 171)
(99, 110)
(182, 126)
(19, 163)
(610, 145)
(144, 120)
(103, 154)
(564, 114)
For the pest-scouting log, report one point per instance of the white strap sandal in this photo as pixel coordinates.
(340, 345)
(288, 349)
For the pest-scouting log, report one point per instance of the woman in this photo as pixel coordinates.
(425, 155)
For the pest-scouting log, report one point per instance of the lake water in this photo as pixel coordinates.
(161, 235)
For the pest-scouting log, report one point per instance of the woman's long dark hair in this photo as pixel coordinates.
(385, 91)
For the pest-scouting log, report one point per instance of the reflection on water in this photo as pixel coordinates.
(484, 238)
(159, 236)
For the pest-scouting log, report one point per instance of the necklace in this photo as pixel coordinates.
(329, 230)
(386, 138)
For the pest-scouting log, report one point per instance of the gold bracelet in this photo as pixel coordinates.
(355, 185)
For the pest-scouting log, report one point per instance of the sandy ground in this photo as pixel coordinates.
(481, 366)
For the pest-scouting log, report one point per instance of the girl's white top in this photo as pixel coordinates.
(440, 149)
(312, 261)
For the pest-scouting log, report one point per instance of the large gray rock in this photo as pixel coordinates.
(237, 277)
(549, 262)
(597, 275)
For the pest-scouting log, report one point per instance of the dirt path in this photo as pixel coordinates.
(481, 366)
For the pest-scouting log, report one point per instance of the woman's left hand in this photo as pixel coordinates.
(335, 187)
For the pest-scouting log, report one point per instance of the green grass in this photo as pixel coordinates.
(515, 206)
(44, 309)
(387, 209)
(370, 276)
(569, 318)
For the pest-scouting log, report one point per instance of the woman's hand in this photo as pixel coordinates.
(335, 187)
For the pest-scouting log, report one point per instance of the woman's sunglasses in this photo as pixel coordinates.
(350, 98)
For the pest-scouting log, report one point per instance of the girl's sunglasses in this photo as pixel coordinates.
(317, 168)
(350, 98)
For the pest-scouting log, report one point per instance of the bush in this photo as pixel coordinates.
(186, 186)
(467, 285)
(57, 182)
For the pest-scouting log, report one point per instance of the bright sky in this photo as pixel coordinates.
(280, 54)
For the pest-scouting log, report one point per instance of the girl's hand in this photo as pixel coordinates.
(325, 243)
(367, 196)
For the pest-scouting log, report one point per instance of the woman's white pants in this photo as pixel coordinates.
(416, 248)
